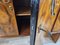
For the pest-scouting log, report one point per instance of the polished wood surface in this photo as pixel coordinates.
(46, 20)
(8, 25)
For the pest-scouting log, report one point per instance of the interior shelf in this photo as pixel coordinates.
(23, 12)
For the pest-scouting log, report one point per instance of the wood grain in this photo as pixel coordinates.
(8, 25)
(46, 19)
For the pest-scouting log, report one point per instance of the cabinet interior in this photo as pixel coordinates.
(23, 13)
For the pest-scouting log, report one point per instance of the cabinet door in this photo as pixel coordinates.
(47, 17)
(8, 25)
(56, 27)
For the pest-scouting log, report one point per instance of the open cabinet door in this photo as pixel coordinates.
(8, 25)
(48, 24)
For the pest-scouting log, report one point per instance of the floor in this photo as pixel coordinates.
(15, 41)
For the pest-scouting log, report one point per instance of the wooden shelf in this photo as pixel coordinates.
(24, 12)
